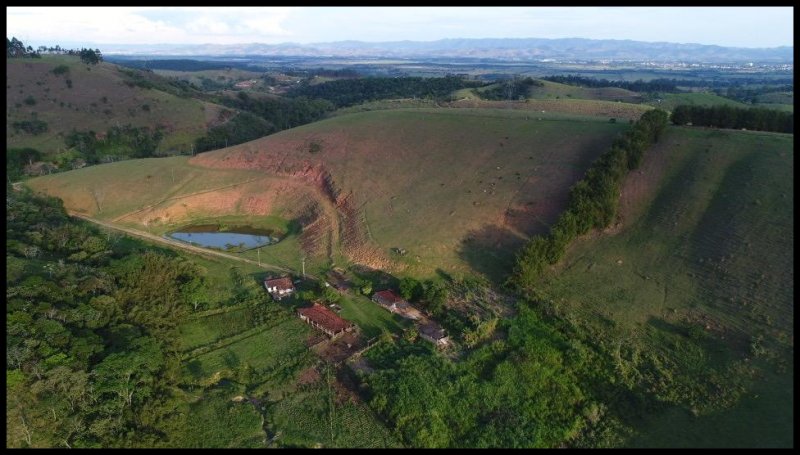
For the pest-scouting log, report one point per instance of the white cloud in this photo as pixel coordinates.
(749, 27)
(148, 25)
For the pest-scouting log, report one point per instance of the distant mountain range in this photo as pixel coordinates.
(524, 49)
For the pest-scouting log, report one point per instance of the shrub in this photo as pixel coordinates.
(60, 69)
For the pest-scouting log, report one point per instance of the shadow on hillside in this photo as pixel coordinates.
(491, 251)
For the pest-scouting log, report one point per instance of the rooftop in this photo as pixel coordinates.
(325, 318)
(284, 283)
(388, 296)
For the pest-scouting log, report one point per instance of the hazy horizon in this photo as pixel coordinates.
(743, 27)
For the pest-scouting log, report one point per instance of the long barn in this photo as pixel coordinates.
(325, 320)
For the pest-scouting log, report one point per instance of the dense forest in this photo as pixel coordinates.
(748, 94)
(243, 127)
(732, 117)
(347, 92)
(90, 340)
(655, 85)
(179, 64)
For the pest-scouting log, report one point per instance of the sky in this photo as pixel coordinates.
(78, 26)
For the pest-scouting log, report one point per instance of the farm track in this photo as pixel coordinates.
(183, 246)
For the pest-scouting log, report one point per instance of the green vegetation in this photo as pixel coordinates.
(16, 49)
(17, 159)
(33, 127)
(479, 401)
(729, 117)
(241, 128)
(509, 90)
(69, 97)
(117, 143)
(281, 113)
(669, 101)
(347, 92)
(593, 200)
(654, 85)
(91, 359)
(319, 415)
(693, 299)
(645, 309)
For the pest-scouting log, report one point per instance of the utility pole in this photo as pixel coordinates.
(259, 256)
(304, 266)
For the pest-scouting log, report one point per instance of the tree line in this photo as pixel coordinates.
(734, 117)
(592, 201)
(751, 94)
(348, 92)
(16, 49)
(655, 85)
(516, 88)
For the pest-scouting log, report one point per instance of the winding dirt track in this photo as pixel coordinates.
(183, 246)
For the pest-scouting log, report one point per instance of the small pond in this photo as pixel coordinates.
(233, 239)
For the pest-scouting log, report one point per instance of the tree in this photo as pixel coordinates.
(91, 56)
(409, 288)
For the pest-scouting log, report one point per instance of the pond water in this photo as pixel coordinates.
(224, 240)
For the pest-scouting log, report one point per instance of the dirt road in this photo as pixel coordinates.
(183, 246)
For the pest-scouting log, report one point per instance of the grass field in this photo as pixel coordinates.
(438, 176)
(670, 100)
(97, 99)
(554, 90)
(447, 185)
(266, 349)
(369, 316)
(317, 417)
(701, 270)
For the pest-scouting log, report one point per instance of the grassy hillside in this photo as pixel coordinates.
(441, 184)
(670, 100)
(553, 90)
(458, 189)
(213, 79)
(700, 269)
(81, 97)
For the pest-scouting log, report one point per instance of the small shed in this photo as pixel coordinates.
(434, 333)
(394, 303)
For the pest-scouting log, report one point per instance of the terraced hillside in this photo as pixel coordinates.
(457, 189)
(67, 94)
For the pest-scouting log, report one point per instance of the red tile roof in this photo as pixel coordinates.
(388, 296)
(325, 318)
(284, 283)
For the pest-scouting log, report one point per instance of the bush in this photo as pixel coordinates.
(30, 100)
(33, 127)
(60, 69)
